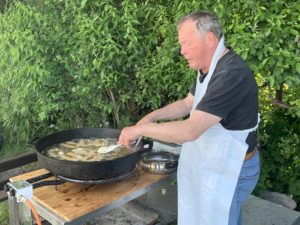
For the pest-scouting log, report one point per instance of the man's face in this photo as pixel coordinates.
(193, 45)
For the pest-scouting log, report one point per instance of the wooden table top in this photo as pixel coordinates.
(73, 200)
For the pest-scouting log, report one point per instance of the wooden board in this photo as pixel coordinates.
(72, 200)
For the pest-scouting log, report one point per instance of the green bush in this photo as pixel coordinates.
(280, 155)
(67, 64)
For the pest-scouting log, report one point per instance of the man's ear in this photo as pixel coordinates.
(211, 39)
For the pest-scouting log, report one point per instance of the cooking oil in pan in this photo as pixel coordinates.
(86, 150)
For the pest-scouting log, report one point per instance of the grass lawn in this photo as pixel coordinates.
(4, 217)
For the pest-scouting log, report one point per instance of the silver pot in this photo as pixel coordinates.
(161, 162)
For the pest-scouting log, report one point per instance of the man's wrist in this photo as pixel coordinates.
(150, 118)
(144, 129)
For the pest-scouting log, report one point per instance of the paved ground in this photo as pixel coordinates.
(261, 212)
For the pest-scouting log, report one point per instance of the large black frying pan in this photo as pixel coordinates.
(96, 170)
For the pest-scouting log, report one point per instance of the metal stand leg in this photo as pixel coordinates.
(25, 214)
(14, 218)
(19, 213)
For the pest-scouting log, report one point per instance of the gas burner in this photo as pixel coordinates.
(132, 173)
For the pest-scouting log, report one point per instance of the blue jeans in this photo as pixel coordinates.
(246, 183)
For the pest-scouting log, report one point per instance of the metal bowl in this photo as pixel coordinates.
(161, 162)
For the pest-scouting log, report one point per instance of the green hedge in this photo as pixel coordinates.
(67, 64)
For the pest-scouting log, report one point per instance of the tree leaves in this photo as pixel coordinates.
(83, 2)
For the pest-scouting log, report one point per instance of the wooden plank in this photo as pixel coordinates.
(71, 200)
(18, 161)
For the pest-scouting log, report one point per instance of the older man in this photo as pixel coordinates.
(219, 165)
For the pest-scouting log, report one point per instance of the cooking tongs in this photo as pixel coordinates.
(106, 149)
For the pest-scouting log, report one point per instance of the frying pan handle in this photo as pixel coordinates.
(148, 144)
(32, 143)
(171, 165)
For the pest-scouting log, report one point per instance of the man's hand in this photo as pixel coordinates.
(129, 135)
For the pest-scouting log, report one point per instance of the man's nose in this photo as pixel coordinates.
(183, 50)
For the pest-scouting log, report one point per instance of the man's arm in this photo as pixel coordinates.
(174, 110)
(175, 131)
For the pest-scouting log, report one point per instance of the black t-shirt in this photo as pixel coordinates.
(232, 94)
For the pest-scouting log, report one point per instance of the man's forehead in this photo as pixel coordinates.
(187, 24)
(188, 31)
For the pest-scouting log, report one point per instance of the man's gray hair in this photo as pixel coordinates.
(205, 22)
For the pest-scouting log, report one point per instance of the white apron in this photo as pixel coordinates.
(209, 167)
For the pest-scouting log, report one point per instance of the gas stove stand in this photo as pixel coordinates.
(75, 203)
(101, 181)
